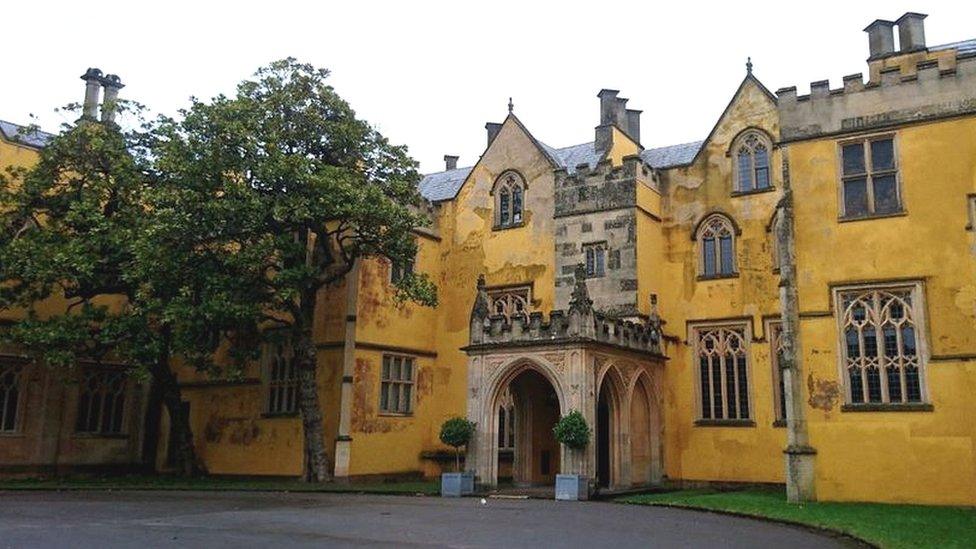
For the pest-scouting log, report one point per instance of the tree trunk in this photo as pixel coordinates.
(182, 441)
(306, 361)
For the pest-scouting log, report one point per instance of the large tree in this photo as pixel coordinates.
(106, 262)
(316, 190)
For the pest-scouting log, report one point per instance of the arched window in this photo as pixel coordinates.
(509, 199)
(716, 247)
(506, 422)
(882, 344)
(723, 376)
(751, 152)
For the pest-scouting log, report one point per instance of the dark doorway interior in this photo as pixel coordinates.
(603, 439)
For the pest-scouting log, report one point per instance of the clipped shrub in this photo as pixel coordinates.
(572, 430)
(457, 432)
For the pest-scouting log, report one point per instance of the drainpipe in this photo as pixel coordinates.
(343, 444)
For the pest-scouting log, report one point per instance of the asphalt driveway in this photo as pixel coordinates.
(220, 519)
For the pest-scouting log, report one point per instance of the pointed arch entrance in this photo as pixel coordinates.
(528, 454)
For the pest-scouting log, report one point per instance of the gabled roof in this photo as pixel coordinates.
(445, 185)
(19, 134)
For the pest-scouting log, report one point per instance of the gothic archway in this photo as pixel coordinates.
(534, 391)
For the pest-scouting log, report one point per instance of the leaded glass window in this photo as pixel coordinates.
(723, 372)
(880, 335)
(752, 163)
(282, 377)
(396, 384)
(101, 402)
(509, 200)
(716, 241)
(596, 259)
(506, 422)
(869, 178)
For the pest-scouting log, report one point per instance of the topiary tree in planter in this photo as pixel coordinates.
(572, 430)
(457, 432)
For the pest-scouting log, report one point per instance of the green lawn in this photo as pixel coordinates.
(893, 526)
(139, 482)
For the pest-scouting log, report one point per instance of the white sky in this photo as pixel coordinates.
(430, 74)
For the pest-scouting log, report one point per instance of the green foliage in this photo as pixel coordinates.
(302, 190)
(885, 525)
(572, 430)
(312, 189)
(457, 432)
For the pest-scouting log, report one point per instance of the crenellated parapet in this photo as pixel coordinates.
(578, 323)
(929, 89)
(601, 187)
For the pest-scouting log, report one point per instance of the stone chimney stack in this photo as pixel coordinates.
(881, 38)
(911, 32)
(633, 124)
(93, 87)
(612, 108)
(112, 84)
(493, 129)
(450, 162)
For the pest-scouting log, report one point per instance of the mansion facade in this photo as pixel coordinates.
(642, 287)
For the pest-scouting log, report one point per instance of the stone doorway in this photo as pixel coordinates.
(533, 404)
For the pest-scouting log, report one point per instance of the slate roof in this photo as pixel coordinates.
(570, 157)
(964, 47)
(15, 132)
(445, 185)
(672, 155)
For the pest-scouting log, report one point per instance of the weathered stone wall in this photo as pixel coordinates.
(928, 91)
(598, 206)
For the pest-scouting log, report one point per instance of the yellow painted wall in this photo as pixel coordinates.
(927, 457)
(724, 453)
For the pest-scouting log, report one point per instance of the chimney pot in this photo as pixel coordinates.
(93, 82)
(911, 32)
(493, 128)
(881, 38)
(450, 162)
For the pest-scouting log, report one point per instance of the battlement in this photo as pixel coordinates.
(931, 88)
(579, 323)
(600, 187)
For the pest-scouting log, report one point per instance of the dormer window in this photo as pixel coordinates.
(751, 156)
(509, 200)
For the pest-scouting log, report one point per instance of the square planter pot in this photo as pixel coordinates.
(572, 487)
(455, 485)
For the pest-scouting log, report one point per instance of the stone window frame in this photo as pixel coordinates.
(917, 312)
(869, 175)
(600, 251)
(744, 327)
(512, 294)
(705, 229)
(507, 422)
(13, 378)
(751, 140)
(508, 192)
(774, 336)
(114, 384)
(280, 380)
(398, 384)
(398, 269)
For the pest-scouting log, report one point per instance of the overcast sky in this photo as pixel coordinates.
(430, 74)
